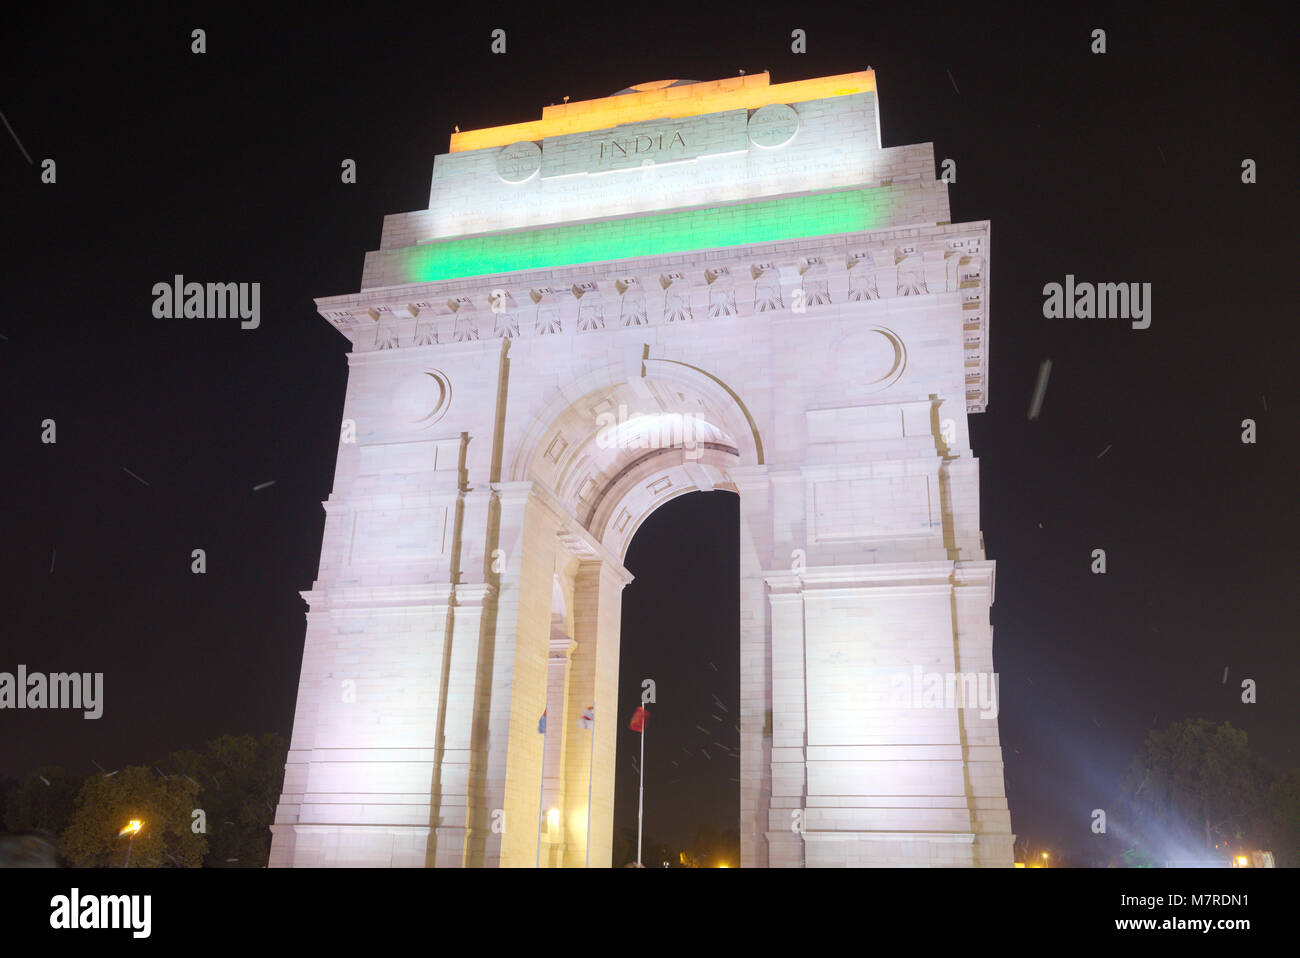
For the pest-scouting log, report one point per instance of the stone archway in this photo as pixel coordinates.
(595, 462)
(566, 338)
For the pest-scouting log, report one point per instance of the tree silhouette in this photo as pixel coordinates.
(43, 801)
(239, 778)
(1196, 783)
(165, 805)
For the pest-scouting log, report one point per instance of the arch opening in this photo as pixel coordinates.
(681, 630)
(609, 459)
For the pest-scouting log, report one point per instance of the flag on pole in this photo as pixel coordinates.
(588, 718)
(541, 723)
(639, 719)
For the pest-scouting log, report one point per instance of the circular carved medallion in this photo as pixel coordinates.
(519, 162)
(773, 125)
(422, 398)
(875, 358)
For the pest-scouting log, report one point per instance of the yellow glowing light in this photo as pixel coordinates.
(132, 828)
(734, 93)
(1242, 861)
(724, 866)
(1044, 854)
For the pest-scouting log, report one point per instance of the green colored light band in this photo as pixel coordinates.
(795, 217)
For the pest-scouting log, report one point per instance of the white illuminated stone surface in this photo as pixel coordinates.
(514, 426)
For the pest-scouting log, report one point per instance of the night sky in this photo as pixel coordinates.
(1122, 167)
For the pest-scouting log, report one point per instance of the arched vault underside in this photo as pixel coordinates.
(625, 446)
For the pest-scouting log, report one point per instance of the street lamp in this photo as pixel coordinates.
(1044, 859)
(132, 828)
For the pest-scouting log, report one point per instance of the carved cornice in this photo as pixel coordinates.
(791, 278)
(473, 594)
(336, 598)
(908, 577)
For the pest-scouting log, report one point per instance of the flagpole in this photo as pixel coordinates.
(640, 801)
(591, 764)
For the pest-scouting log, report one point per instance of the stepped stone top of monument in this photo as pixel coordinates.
(664, 99)
(653, 85)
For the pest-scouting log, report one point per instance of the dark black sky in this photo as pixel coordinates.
(1123, 167)
(681, 628)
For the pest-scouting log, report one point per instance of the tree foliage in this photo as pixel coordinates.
(240, 778)
(42, 801)
(1194, 785)
(713, 847)
(1284, 819)
(653, 852)
(106, 803)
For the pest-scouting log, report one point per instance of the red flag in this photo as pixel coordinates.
(639, 718)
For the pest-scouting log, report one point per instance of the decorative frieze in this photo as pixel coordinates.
(745, 282)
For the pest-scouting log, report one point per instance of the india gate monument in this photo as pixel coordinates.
(723, 285)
